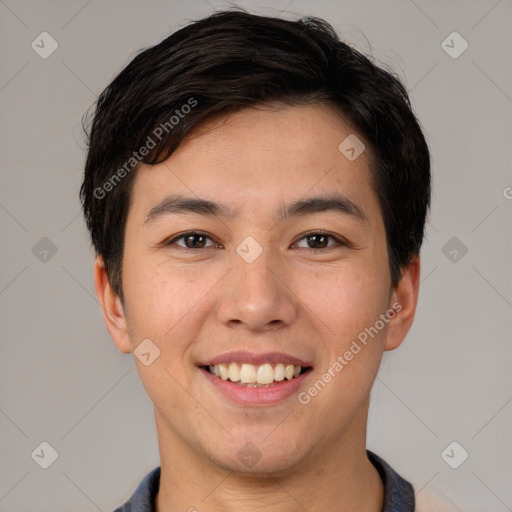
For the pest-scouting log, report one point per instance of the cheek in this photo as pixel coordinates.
(350, 305)
(164, 306)
(346, 299)
(167, 303)
(155, 296)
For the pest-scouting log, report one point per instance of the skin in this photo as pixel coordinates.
(309, 302)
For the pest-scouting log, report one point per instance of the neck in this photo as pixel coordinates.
(340, 477)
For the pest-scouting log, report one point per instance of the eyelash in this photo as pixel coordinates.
(338, 241)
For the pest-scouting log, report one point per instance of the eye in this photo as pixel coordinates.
(319, 240)
(192, 240)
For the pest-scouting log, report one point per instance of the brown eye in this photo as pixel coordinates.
(195, 241)
(191, 240)
(318, 241)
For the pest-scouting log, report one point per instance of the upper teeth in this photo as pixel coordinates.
(250, 374)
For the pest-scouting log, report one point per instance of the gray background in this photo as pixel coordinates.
(61, 378)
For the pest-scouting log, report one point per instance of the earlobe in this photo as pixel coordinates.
(113, 311)
(404, 300)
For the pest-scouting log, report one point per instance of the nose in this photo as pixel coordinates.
(257, 296)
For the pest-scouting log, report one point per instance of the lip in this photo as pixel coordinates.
(248, 396)
(255, 359)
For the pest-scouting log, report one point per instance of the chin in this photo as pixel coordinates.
(259, 458)
(264, 467)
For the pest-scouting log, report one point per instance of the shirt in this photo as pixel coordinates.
(398, 493)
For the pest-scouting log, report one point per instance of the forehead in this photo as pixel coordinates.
(258, 158)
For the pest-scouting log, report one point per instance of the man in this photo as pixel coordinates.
(256, 192)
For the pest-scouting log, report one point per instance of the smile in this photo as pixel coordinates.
(255, 379)
(263, 375)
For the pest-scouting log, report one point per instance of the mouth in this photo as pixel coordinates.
(256, 376)
(255, 380)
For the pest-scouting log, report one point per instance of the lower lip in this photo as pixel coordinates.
(262, 396)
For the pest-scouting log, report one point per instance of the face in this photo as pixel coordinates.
(258, 243)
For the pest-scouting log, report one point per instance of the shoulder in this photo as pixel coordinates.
(143, 499)
(401, 495)
(398, 492)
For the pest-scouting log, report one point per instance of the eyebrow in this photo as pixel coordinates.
(179, 204)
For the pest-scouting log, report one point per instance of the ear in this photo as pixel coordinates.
(403, 300)
(113, 311)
